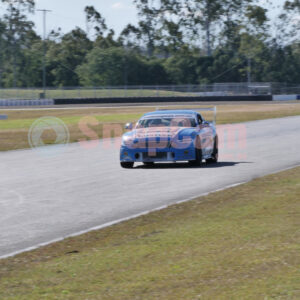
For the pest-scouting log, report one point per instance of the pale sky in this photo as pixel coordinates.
(68, 14)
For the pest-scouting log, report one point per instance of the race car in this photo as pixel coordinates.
(170, 136)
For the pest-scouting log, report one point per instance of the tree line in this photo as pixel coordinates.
(174, 42)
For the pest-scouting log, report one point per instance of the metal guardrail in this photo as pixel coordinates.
(28, 102)
(217, 89)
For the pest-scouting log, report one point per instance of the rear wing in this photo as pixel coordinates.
(200, 109)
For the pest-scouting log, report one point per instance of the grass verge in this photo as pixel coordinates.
(14, 131)
(241, 243)
(87, 93)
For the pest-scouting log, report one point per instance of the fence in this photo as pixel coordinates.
(217, 89)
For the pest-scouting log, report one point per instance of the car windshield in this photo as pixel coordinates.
(167, 122)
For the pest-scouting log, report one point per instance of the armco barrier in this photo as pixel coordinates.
(161, 99)
(286, 97)
(22, 103)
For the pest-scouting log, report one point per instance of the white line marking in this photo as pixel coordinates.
(138, 215)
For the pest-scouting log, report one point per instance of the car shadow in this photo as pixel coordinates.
(188, 166)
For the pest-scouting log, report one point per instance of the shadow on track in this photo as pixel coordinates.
(188, 166)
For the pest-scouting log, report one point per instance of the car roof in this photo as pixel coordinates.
(172, 112)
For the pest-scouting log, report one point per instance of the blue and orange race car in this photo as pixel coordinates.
(170, 136)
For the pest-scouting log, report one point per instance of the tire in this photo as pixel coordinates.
(148, 164)
(215, 155)
(127, 165)
(198, 151)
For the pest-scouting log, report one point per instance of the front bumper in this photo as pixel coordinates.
(157, 155)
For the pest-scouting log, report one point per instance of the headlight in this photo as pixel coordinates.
(127, 140)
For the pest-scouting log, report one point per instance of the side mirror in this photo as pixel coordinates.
(129, 126)
(204, 124)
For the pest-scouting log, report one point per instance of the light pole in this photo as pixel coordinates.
(45, 11)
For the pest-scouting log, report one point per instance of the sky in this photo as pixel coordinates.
(67, 14)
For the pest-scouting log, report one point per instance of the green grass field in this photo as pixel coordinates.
(241, 243)
(28, 94)
(14, 131)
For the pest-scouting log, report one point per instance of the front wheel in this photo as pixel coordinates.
(198, 151)
(127, 165)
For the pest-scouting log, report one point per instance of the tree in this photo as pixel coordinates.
(108, 41)
(171, 32)
(130, 37)
(182, 67)
(65, 56)
(3, 46)
(17, 31)
(171, 38)
(105, 67)
(292, 5)
(32, 75)
(95, 20)
(117, 66)
(159, 28)
(292, 10)
(164, 47)
(155, 73)
(232, 19)
(283, 65)
(203, 15)
(147, 33)
(257, 17)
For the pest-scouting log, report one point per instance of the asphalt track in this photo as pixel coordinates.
(49, 194)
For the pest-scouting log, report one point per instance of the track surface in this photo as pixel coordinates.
(49, 195)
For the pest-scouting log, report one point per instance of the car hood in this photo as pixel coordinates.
(162, 132)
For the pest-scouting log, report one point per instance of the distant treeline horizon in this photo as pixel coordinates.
(175, 42)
